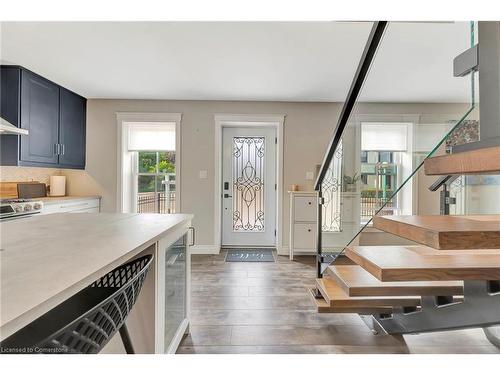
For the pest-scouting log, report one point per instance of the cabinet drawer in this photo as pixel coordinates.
(304, 236)
(94, 210)
(305, 209)
(71, 206)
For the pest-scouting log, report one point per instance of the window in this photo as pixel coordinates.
(156, 181)
(379, 175)
(383, 148)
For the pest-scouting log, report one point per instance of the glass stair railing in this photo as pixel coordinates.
(396, 116)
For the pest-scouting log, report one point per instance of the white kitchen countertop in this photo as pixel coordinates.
(46, 259)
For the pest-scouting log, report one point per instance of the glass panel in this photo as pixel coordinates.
(248, 184)
(166, 162)
(147, 162)
(175, 288)
(146, 184)
(160, 183)
(401, 117)
(331, 186)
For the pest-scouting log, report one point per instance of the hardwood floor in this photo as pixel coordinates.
(265, 308)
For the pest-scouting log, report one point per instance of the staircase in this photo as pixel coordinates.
(449, 279)
(423, 272)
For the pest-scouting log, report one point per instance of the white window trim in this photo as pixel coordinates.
(239, 120)
(124, 117)
(414, 120)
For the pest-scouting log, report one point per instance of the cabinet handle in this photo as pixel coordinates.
(309, 203)
(193, 236)
(63, 149)
(309, 230)
(56, 148)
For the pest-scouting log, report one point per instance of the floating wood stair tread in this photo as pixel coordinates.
(422, 263)
(485, 160)
(336, 297)
(355, 281)
(323, 307)
(445, 232)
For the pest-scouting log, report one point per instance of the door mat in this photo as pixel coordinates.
(250, 255)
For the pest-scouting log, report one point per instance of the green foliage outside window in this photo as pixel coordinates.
(153, 165)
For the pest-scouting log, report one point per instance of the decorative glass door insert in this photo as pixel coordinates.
(248, 184)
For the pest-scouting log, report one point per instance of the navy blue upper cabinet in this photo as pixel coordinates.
(39, 115)
(72, 118)
(54, 116)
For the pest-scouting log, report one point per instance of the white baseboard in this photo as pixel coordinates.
(204, 249)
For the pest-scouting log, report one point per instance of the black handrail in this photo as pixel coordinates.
(369, 52)
(371, 46)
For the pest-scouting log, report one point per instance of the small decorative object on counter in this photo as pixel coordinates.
(57, 186)
(295, 188)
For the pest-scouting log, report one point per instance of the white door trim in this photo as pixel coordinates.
(238, 120)
(122, 141)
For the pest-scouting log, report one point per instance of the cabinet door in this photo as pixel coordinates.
(9, 93)
(40, 115)
(72, 129)
(175, 289)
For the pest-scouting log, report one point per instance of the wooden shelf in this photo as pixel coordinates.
(336, 297)
(421, 263)
(481, 161)
(445, 232)
(355, 281)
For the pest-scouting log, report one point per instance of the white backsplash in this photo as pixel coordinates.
(15, 174)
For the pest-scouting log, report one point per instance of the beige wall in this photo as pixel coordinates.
(307, 131)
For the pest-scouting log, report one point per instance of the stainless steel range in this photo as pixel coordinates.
(17, 208)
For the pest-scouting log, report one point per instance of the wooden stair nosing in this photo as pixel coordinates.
(480, 161)
(323, 307)
(336, 297)
(421, 263)
(355, 281)
(445, 232)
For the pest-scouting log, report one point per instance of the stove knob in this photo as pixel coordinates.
(28, 207)
(37, 206)
(18, 208)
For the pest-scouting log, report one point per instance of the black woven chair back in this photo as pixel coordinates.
(87, 321)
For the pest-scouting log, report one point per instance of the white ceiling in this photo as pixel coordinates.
(283, 61)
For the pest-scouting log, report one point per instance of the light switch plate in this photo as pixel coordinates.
(309, 175)
(203, 174)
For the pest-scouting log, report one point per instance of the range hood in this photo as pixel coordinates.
(7, 128)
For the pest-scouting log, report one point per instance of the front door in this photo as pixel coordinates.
(248, 186)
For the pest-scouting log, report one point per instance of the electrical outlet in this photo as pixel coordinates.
(203, 174)
(309, 175)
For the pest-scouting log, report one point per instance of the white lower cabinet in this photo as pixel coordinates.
(303, 219)
(70, 205)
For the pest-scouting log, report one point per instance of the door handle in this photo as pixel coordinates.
(227, 196)
(193, 236)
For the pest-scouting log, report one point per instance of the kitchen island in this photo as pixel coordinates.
(45, 259)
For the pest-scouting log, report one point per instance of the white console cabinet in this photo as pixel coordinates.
(303, 219)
